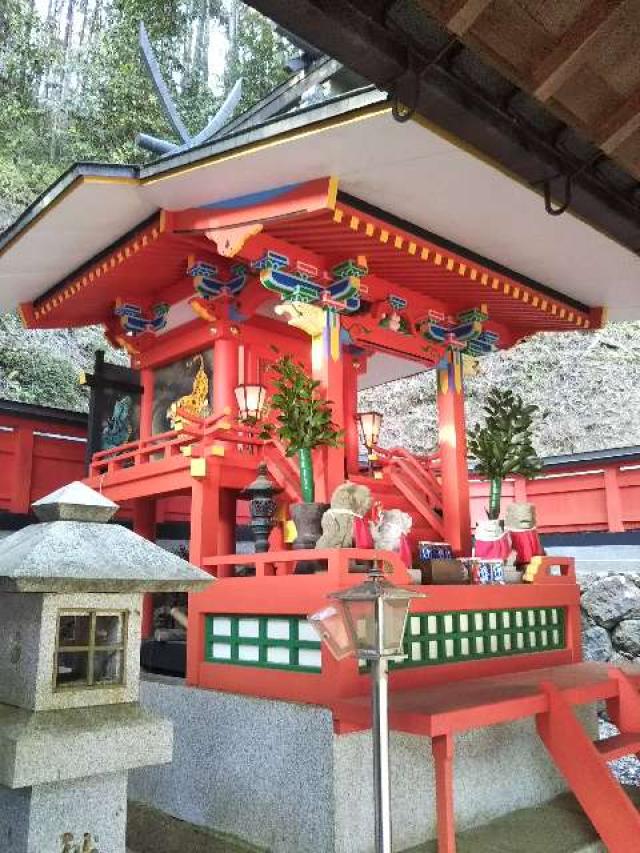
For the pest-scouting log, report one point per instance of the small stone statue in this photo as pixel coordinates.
(391, 533)
(86, 846)
(520, 523)
(491, 541)
(343, 524)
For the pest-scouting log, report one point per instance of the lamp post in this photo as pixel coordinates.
(251, 400)
(369, 621)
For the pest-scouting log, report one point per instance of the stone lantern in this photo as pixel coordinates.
(70, 724)
(261, 495)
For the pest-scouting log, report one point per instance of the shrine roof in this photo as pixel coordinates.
(406, 179)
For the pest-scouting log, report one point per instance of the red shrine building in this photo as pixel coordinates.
(368, 250)
(186, 262)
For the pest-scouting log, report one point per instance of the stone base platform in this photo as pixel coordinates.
(275, 775)
(559, 826)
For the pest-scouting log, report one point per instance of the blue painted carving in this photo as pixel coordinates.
(135, 323)
(465, 332)
(210, 287)
(341, 291)
(118, 428)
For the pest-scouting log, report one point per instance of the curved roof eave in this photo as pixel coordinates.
(56, 191)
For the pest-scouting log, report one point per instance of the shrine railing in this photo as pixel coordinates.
(162, 446)
(249, 634)
(415, 477)
(216, 435)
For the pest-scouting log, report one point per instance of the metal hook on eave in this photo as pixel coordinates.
(548, 204)
(401, 110)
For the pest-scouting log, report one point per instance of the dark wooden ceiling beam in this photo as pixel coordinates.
(451, 104)
(347, 31)
(619, 126)
(572, 48)
(460, 15)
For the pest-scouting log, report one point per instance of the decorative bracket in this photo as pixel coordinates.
(211, 289)
(134, 327)
(338, 291)
(465, 333)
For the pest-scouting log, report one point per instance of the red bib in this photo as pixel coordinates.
(526, 544)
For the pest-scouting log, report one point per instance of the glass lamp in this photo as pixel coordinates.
(330, 626)
(370, 424)
(375, 616)
(251, 401)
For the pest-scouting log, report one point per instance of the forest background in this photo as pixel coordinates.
(72, 88)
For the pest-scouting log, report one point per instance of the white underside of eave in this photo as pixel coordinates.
(404, 169)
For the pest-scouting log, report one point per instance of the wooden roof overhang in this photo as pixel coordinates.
(549, 89)
(313, 224)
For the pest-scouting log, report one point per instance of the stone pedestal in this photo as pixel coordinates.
(39, 819)
(66, 772)
(276, 775)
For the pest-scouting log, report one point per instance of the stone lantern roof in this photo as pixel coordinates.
(74, 549)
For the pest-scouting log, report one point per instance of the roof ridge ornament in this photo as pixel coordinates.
(75, 502)
(314, 69)
(163, 146)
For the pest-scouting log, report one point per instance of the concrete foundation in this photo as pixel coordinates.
(35, 820)
(276, 775)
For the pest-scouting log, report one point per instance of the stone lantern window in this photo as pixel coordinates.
(91, 648)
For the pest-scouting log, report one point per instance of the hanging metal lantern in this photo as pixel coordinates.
(370, 425)
(261, 495)
(251, 401)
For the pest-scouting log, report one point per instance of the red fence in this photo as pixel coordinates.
(594, 494)
(36, 457)
(42, 449)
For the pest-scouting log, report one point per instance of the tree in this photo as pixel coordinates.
(72, 86)
(503, 445)
(304, 418)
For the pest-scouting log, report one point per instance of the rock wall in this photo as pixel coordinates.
(611, 617)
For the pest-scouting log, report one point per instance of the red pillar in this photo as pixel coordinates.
(225, 374)
(144, 524)
(205, 509)
(328, 363)
(453, 453)
(351, 440)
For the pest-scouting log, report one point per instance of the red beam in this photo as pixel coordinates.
(302, 199)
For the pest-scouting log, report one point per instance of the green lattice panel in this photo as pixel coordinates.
(432, 639)
(440, 638)
(270, 642)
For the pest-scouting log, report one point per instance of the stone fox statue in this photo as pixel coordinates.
(197, 401)
(341, 522)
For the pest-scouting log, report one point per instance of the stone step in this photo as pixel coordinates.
(617, 746)
(559, 826)
(153, 831)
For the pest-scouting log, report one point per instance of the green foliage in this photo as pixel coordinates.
(42, 367)
(304, 418)
(77, 93)
(253, 36)
(503, 445)
(30, 378)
